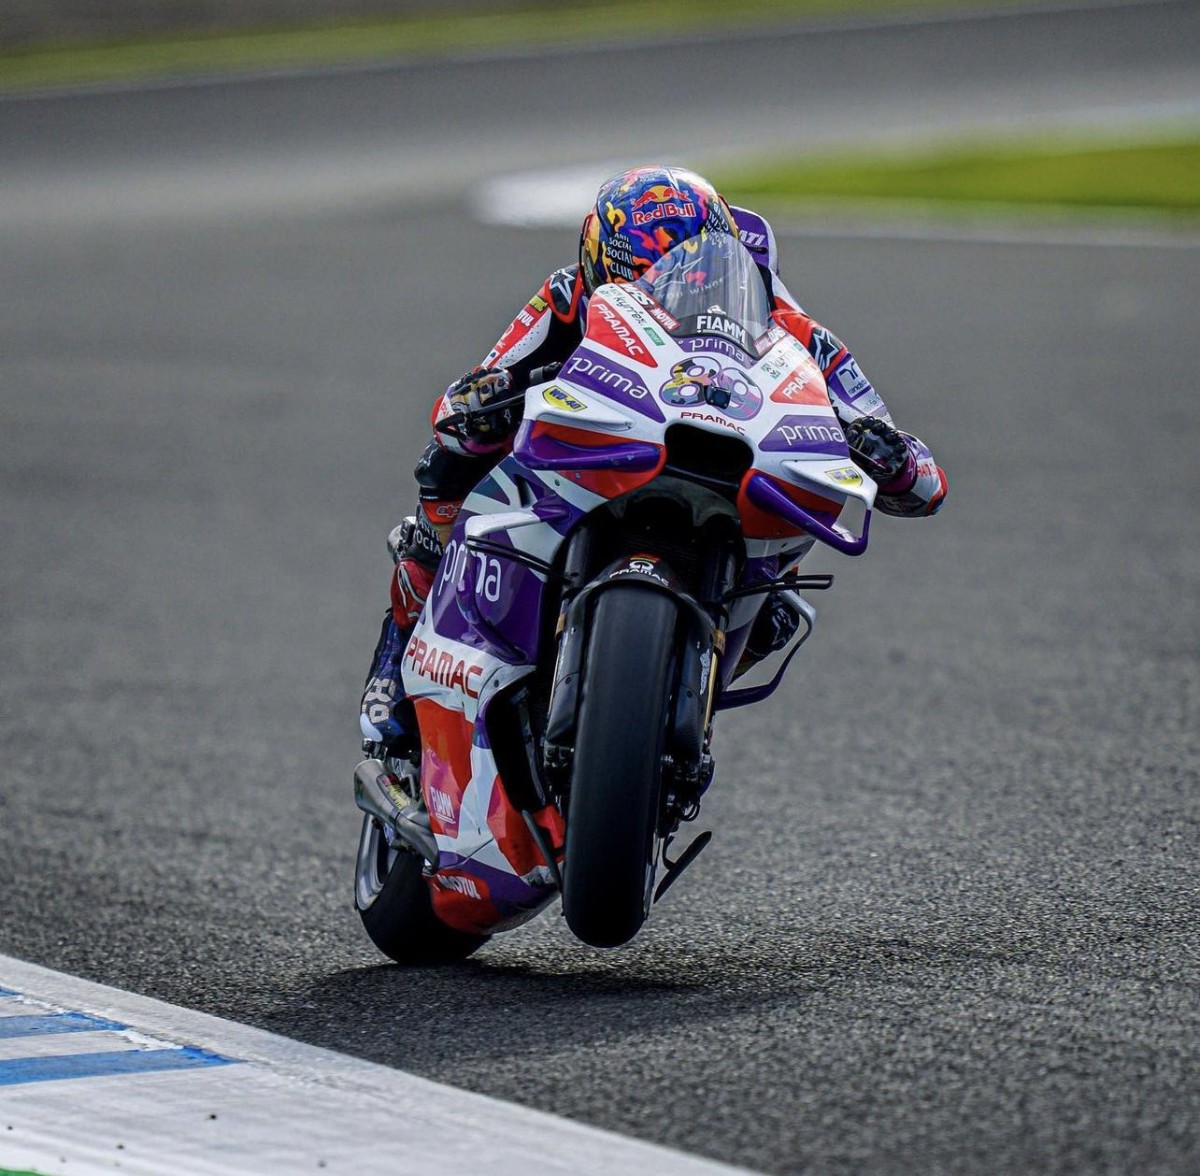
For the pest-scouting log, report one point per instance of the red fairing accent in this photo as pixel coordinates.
(463, 901)
(512, 834)
(461, 897)
(609, 483)
(459, 900)
(761, 524)
(445, 761)
(606, 327)
(802, 385)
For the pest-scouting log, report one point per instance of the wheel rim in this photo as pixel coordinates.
(375, 860)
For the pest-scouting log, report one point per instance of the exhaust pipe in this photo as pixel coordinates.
(380, 793)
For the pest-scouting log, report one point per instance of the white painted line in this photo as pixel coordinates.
(559, 198)
(549, 199)
(78, 1044)
(251, 1101)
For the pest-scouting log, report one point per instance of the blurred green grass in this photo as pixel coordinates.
(1160, 177)
(467, 29)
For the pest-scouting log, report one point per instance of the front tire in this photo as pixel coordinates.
(616, 781)
(392, 899)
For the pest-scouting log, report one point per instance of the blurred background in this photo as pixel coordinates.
(948, 919)
(56, 21)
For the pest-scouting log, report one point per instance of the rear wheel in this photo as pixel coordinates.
(392, 899)
(616, 780)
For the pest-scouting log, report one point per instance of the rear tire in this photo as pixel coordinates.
(616, 781)
(392, 899)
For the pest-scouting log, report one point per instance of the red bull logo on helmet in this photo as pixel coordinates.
(660, 194)
(660, 201)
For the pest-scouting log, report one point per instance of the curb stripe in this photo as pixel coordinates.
(34, 1026)
(38, 1031)
(98, 1065)
(286, 1108)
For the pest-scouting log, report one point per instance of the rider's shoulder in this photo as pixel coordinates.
(563, 289)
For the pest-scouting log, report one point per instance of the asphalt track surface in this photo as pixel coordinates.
(949, 918)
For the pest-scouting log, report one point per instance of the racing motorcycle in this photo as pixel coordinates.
(591, 614)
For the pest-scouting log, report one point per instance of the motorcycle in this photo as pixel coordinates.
(591, 613)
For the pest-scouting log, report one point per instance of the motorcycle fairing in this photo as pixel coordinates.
(594, 433)
(479, 635)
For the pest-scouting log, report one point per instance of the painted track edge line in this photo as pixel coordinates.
(475, 1124)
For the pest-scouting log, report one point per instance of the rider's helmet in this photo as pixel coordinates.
(641, 214)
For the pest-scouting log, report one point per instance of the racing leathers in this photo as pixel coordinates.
(547, 330)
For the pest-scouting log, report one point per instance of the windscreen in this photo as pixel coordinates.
(710, 285)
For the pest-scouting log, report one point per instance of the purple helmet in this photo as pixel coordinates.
(641, 214)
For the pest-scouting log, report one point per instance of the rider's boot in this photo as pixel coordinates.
(387, 719)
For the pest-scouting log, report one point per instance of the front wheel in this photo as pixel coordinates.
(616, 781)
(392, 899)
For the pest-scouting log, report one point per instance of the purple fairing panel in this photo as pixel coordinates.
(539, 451)
(443, 609)
(533, 495)
(601, 373)
(808, 432)
(514, 898)
(763, 493)
(755, 233)
(484, 600)
(502, 602)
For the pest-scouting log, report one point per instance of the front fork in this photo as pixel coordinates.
(688, 764)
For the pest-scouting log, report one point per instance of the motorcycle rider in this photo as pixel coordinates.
(638, 216)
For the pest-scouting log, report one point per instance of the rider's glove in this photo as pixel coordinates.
(415, 538)
(882, 452)
(471, 394)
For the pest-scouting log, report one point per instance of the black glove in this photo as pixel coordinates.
(879, 449)
(471, 394)
(415, 538)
